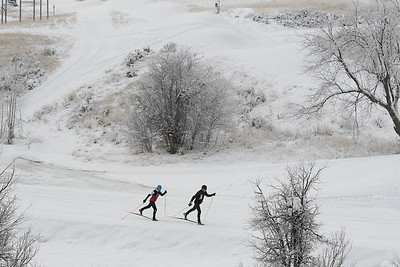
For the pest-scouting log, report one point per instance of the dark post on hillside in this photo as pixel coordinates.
(4, 11)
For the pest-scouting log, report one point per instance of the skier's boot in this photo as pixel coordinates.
(185, 215)
(141, 212)
(200, 223)
(154, 219)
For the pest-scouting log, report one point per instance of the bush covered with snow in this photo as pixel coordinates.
(26, 71)
(302, 18)
(180, 100)
(134, 57)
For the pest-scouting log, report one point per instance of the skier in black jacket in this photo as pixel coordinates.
(198, 199)
(154, 195)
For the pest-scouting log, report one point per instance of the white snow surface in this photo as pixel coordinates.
(77, 204)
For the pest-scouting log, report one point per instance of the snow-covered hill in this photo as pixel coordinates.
(79, 190)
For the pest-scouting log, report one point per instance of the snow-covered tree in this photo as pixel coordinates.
(286, 221)
(178, 100)
(357, 60)
(11, 115)
(10, 83)
(17, 246)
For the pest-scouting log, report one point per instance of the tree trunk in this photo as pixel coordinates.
(395, 119)
(11, 117)
(172, 143)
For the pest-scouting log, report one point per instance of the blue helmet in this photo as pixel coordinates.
(159, 187)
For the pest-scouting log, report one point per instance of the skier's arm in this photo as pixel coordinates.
(146, 198)
(163, 193)
(210, 195)
(193, 198)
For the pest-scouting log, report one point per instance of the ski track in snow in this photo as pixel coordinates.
(78, 206)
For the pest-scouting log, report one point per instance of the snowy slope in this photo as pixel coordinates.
(78, 205)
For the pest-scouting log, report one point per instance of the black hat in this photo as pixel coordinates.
(204, 187)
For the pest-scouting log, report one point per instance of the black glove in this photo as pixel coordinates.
(190, 203)
(144, 200)
(214, 194)
(165, 192)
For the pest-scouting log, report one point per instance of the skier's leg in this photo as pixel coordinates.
(192, 209)
(189, 211)
(198, 213)
(145, 208)
(154, 211)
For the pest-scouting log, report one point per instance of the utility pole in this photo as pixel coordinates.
(40, 9)
(34, 6)
(47, 6)
(218, 6)
(2, 10)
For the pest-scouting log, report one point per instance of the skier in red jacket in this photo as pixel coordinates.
(154, 195)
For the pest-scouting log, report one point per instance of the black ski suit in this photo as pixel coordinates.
(154, 195)
(198, 199)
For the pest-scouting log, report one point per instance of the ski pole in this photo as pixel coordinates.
(180, 211)
(132, 211)
(205, 216)
(165, 207)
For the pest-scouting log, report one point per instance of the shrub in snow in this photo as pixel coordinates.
(302, 18)
(18, 246)
(261, 123)
(180, 101)
(85, 107)
(24, 71)
(131, 74)
(358, 64)
(251, 98)
(287, 227)
(47, 51)
(134, 57)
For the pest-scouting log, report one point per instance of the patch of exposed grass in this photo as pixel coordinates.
(15, 45)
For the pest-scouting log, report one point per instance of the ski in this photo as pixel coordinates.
(183, 219)
(138, 214)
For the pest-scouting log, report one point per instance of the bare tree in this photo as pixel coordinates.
(180, 98)
(141, 129)
(17, 246)
(11, 115)
(335, 252)
(286, 223)
(357, 60)
(287, 220)
(11, 83)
